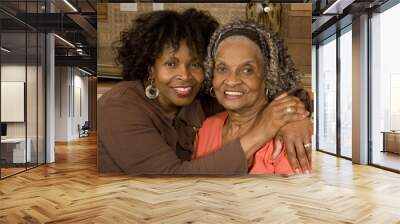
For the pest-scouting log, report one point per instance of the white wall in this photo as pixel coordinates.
(62, 81)
(15, 73)
(71, 93)
(33, 127)
(80, 110)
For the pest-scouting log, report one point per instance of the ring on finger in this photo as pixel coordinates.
(308, 145)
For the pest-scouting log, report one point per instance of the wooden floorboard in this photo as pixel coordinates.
(70, 191)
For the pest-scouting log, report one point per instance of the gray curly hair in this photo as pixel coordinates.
(280, 73)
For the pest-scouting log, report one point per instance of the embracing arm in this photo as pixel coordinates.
(128, 136)
(297, 134)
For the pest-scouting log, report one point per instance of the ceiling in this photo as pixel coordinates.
(333, 14)
(77, 25)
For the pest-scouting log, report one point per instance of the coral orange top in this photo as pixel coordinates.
(209, 139)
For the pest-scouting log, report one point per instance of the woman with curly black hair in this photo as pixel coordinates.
(147, 124)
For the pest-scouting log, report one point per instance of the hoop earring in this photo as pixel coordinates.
(151, 91)
(211, 92)
(267, 93)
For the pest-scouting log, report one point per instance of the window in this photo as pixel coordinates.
(385, 88)
(22, 75)
(327, 96)
(346, 92)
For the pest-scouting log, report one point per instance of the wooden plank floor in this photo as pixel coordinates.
(10, 171)
(70, 191)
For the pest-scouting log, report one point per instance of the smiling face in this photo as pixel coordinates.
(178, 75)
(238, 74)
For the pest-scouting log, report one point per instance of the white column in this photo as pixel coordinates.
(50, 94)
(360, 90)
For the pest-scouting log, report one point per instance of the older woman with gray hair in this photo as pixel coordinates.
(252, 76)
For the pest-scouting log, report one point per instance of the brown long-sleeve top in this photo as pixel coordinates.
(135, 136)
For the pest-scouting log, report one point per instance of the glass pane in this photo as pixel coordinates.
(13, 87)
(31, 97)
(327, 96)
(385, 89)
(41, 98)
(314, 85)
(346, 94)
(32, 85)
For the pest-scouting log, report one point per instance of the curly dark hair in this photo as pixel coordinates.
(280, 74)
(143, 42)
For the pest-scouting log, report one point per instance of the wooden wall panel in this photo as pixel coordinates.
(92, 91)
(296, 31)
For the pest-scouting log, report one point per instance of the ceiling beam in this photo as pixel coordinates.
(84, 24)
(81, 61)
